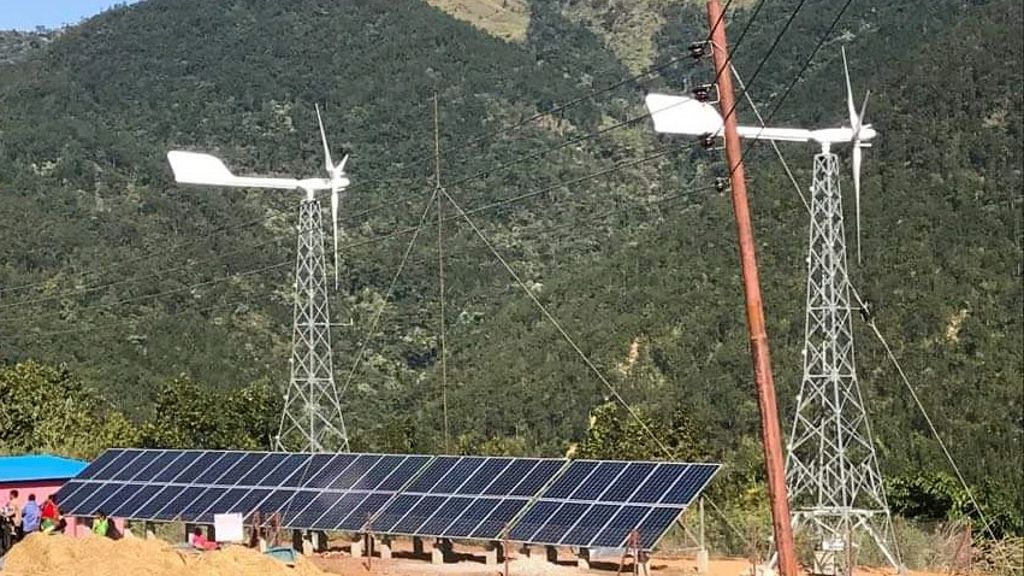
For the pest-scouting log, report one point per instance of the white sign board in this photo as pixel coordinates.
(228, 527)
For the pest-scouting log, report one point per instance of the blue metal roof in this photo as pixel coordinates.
(38, 467)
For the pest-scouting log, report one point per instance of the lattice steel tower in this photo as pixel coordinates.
(832, 468)
(311, 419)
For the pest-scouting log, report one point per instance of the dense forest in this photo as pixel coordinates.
(148, 303)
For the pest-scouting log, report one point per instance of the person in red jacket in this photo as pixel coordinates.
(51, 519)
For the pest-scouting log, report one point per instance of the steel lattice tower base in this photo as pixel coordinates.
(312, 419)
(832, 468)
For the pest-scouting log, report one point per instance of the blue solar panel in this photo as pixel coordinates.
(240, 468)
(95, 501)
(212, 474)
(362, 513)
(224, 504)
(615, 532)
(433, 474)
(512, 475)
(160, 461)
(194, 510)
(484, 476)
(445, 515)
(541, 474)
(657, 522)
(466, 496)
(317, 507)
(115, 465)
(131, 469)
(99, 464)
(378, 473)
(281, 475)
(180, 499)
(330, 469)
(590, 524)
(497, 522)
(67, 492)
(403, 473)
(296, 505)
(457, 476)
(356, 470)
(580, 503)
(690, 484)
(336, 515)
(205, 462)
(148, 510)
(174, 468)
(129, 507)
(258, 472)
(598, 504)
(598, 481)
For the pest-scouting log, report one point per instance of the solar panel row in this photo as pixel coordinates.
(582, 503)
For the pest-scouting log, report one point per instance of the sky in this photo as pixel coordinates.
(27, 14)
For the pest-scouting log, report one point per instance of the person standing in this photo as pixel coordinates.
(30, 516)
(101, 524)
(12, 516)
(52, 521)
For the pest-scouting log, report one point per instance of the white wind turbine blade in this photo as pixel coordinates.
(857, 159)
(207, 170)
(851, 108)
(338, 181)
(323, 137)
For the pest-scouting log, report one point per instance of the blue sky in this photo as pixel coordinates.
(27, 14)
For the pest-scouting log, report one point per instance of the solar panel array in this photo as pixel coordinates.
(584, 503)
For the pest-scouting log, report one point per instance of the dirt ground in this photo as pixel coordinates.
(43, 555)
(469, 561)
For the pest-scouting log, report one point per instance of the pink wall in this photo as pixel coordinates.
(42, 489)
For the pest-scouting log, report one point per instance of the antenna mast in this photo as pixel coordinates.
(770, 430)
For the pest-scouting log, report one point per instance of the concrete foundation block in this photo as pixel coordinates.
(551, 554)
(491, 554)
(703, 563)
(384, 545)
(150, 531)
(357, 548)
(583, 559)
(437, 553)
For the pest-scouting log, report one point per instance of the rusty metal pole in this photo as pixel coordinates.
(770, 431)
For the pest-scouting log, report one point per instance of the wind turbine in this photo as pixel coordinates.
(832, 467)
(685, 115)
(312, 408)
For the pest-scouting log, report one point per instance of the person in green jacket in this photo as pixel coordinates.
(101, 524)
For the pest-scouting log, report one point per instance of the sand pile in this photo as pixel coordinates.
(42, 555)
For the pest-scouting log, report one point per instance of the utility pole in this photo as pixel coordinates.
(770, 430)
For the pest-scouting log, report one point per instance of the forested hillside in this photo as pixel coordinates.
(135, 283)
